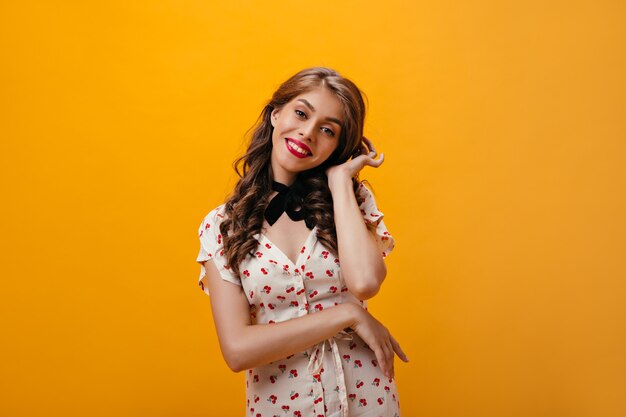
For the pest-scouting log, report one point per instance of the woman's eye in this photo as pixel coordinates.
(300, 113)
(328, 131)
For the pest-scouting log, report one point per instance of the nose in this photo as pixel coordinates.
(306, 130)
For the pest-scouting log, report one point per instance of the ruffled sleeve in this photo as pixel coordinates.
(212, 248)
(374, 217)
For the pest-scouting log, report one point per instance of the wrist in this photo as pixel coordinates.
(339, 179)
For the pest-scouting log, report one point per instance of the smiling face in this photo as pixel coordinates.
(306, 132)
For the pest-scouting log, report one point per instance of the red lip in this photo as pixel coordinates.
(300, 144)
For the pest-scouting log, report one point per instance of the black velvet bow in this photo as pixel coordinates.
(287, 200)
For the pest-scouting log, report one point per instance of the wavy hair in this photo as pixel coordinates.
(245, 207)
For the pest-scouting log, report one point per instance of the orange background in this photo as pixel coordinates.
(504, 134)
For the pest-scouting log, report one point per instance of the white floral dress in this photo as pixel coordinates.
(339, 376)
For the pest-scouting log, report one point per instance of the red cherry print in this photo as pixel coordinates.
(309, 275)
(352, 397)
(357, 363)
(332, 289)
(313, 293)
(302, 267)
(293, 373)
(352, 345)
(374, 363)
(285, 407)
(317, 377)
(374, 215)
(301, 291)
(303, 249)
(273, 262)
(222, 252)
(362, 402)
(337, 261)
(325, 254)
(264, 271)
(294, 304)
(376, 381)
(283, 368)
(386, 388)
(329, 272)
(267, 289)
(294, 395)
(271, 306)
(297, 413)
(219, 238)
(255, 379)
(285, 267)
(208, 226)
(308, 257)
(306, 305)
(259, 254)
(319, 307)
(359, 383)
(261, 304)
(380, 400)
(318, 399)
(272, 398)
(273, 379)
(363, 212)
(290, 289)
(344, 289)
(246, 273)
(347, 357)
(256, 397)
(226, 266)
(281, 298)
(267, 245)
(251, 294)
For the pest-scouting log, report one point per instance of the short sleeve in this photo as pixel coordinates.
(212, 248)
(374, 218)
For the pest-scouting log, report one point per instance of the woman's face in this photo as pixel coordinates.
(306, 132)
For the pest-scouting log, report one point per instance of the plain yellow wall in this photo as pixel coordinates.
(504, 134)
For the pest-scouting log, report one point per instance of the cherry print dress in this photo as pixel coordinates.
(337, 377)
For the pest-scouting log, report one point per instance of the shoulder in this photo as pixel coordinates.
(365, 194)
(367, 204)
(213, 219)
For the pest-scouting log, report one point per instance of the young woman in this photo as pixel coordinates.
(294, 253)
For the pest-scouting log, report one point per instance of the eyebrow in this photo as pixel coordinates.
(310, 106)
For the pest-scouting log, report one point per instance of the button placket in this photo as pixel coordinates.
(301, 291)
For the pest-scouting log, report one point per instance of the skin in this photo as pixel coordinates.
(245, 345)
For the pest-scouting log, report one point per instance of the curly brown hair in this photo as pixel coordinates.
(245, 207)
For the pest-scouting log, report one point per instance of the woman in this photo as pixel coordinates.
(286, 310)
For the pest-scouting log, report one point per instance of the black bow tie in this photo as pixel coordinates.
(287, 199)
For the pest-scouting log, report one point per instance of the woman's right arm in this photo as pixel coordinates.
(245, 345)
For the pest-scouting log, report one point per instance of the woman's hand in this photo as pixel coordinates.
(378, 339)
(350, 168)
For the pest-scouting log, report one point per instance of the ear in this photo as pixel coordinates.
(274, 116)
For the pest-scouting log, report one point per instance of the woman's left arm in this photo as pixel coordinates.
(362, 265)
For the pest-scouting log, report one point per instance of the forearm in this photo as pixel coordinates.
(362, 265)
(261, 344)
